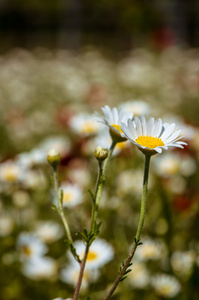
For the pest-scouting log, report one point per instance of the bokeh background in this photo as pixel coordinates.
(60, 61)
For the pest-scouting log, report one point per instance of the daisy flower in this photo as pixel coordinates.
(30, 246)
(153, 136)
(70, 274)
(40, 268)
(166, 286)
(137, 107)
(113, 119)
(100, 253)
(150, 250)
(49, 231)
(84, 124)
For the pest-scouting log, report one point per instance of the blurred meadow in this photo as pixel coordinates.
(55, 73)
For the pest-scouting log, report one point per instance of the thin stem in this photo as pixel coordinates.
(98, 192)
(139, 229)
(99, 187)
(60, 207)
(82, 267)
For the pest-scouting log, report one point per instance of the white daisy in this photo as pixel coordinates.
(139, 277)
(49, 231)
(153, 136)
(30, 246)
(70, 274)
(6, 224)
(137, 107)
(100, 253)
(40, 268)
(10, 172)
(113, 119)
(183, 262)
(150, 250)
(166, 286)
(84, 124)
(72, 195)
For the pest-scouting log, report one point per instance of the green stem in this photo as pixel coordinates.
(99, 187)
(139, 229)
(60, 207)
(98, 192)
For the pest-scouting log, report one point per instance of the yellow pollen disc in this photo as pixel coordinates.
(66, 197)
(10, 174)
(118, 127)
(149, 141)
(88, 128)
(91, 256)
(26, 250)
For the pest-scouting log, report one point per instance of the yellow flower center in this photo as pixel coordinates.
(88, 128)
(26, 250)
(149, 141)
(165, 290)
(118, 127)
(91, 256)
(67, 197)
(10, 174)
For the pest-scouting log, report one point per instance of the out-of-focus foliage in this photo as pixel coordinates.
(48, 99)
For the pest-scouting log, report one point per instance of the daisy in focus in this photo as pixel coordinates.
(166, 286)
(100, 253)
(153, 136)
(113, 119)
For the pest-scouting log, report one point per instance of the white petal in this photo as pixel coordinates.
(157, 128)
(150, 126)
(172, 137)
(143, 122)
(158, 149)
(126, 117)
(175, 145)
(108, 114)
(138, 126)
(168, 131)
(127, 132)
(115, 115)
(132, 128)
(121, 115)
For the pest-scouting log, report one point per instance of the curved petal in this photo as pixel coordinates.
(168, 131)
(150, 126)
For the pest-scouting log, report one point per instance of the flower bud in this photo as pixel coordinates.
(53, 158)
(101, 153)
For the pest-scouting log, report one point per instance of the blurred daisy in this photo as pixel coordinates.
(70, 274)
(40, 268)
(113, 119)
(153, 136)
(10, 172)
(137, 108)
(183, 262)
(100, 253)
(49, 231)
(172, 163)
(150, 250)
(72, 195)
(166, 286)
(30, 246)
(139, 276)
(84, 124)
(6, 224)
